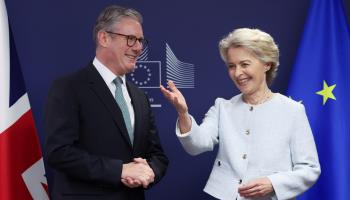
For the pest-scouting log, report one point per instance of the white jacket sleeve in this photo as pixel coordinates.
(306, 168)
(204, 137)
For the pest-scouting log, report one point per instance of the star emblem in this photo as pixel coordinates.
(327, 92)
(144, 71)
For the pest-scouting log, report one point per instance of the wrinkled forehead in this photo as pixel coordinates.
(128, 26)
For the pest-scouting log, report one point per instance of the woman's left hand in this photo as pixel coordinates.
(256, 188)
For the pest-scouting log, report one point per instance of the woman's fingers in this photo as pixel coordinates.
(172, 86)
(166, 93)
(174, 96)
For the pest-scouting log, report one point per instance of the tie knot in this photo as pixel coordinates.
(118, 81)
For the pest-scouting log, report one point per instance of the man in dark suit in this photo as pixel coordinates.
(102, 141)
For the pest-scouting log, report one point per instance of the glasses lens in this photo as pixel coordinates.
(131, 40)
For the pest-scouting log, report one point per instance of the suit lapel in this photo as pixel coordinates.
(100, 88)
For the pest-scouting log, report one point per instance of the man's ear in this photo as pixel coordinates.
(102, 38)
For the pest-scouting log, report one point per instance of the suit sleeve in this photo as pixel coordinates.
(306, 168)
(63, 151)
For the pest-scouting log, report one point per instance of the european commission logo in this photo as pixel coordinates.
(148, 73)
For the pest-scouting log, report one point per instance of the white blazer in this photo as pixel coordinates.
(272, 139)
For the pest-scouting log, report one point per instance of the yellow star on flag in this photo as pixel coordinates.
(326, 92)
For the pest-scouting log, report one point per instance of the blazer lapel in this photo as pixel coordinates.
(100, 88)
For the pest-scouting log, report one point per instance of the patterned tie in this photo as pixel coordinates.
(123, 106)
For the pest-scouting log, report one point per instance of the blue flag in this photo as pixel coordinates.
(321, 81)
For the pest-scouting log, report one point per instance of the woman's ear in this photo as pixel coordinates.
(267, 67)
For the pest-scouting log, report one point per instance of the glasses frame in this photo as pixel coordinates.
(131, 39)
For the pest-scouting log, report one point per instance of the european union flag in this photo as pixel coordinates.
(321, 81)
(147, 74)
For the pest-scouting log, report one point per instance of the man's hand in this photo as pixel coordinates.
(137, 173)
(131, 183)
(256, 188)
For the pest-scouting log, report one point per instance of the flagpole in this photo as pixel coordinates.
(4, 65)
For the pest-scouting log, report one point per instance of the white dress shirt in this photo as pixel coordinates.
(108, 76)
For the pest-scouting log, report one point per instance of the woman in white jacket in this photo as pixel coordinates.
(266, 146)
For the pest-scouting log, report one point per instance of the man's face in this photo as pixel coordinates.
(121, 57)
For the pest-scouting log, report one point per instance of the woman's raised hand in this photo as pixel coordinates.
(175, 97)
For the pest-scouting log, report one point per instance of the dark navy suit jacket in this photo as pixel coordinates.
(87, 140)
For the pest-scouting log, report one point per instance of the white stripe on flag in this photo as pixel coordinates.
(12, 114)
(4, 65)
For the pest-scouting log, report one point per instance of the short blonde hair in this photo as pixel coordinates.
(261, 44)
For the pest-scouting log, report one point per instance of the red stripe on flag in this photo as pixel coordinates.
(19, 149)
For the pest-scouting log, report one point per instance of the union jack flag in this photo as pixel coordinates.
(22, 173)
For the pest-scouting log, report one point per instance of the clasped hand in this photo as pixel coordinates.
(137, 173)
(256, 188)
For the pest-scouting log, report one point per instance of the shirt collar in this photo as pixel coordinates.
(107, 75)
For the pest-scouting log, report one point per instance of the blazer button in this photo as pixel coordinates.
(244, 156)
(251, 108)
(240, 181)
(247, 132)
(219, 163)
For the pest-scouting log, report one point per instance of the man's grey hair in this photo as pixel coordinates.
(112, 15)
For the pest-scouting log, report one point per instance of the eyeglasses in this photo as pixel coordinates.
(131, 39)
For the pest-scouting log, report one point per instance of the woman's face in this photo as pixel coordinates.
(247, 72)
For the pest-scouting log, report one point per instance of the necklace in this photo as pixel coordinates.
(265, 97)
